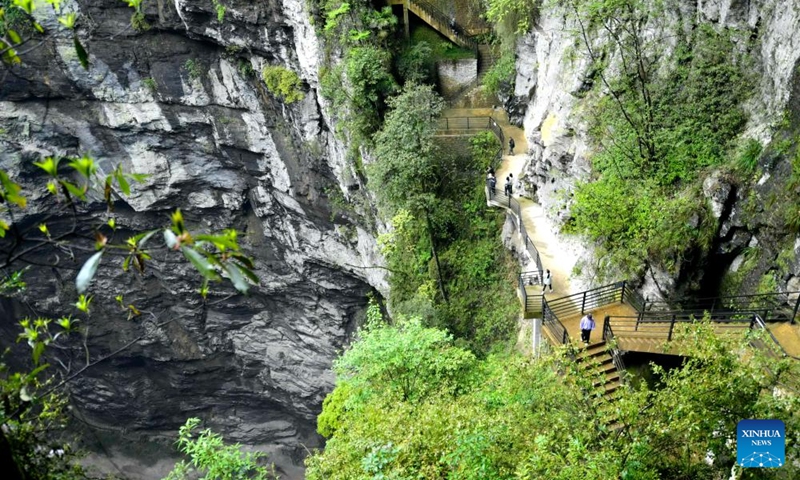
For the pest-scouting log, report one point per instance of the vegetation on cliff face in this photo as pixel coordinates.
(662, 117)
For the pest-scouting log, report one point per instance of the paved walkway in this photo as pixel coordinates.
(541, 230)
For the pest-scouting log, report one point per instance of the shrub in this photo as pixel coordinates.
(283, 83)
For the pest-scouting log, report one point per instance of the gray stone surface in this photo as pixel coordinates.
(217, 145)
(455, 76)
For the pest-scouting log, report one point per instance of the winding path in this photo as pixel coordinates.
(555, 257)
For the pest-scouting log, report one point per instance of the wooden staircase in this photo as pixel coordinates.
(599, 365)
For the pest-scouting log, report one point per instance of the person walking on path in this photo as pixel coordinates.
(511, 146)
(547, 282)
(587, 325)
(508, 186)
(492, 184)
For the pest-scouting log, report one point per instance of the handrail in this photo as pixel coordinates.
(446, 23)
(495, 196)
(616, 357)
(765, 303)
(553, 324)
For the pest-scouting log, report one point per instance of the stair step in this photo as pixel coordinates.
(608, 378)
(592, 350)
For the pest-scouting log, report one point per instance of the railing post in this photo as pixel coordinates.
(583, 303)
(794, 312)
(671, 326)
(622, 297)
(605, 328)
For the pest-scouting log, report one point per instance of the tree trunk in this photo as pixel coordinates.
(435, 258)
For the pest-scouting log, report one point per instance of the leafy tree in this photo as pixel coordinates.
(510, 418)
(213, 459)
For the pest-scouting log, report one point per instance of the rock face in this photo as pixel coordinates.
(181, 99)
(554, 71)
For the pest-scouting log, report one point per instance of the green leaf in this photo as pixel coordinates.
(249, 274)
(239, 283)
(139, 177)
(73, 189)
(49, 165)
(87, 272)
(14, 36)
(220, 241)
(126, 263)
(11, 191)
(200, 263)
(83, 57)
(244, 259)
(123, 182)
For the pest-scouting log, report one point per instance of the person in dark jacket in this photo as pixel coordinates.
(511, 145)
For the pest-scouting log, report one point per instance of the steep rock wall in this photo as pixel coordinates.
(554, 71)
(184, 103)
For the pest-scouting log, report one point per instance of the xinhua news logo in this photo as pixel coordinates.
(761, 443)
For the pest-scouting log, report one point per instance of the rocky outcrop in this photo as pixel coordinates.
(181, 99)
(554, 72)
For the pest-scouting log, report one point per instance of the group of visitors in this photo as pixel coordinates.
(508, 188)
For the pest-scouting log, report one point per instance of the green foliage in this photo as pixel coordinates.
(415, 63)
(139, 22)
(368, 85)
(31, 416)
(509, 418)
(502, 73)
(150, 84)
(441, 48)
(443, 248)
(192, 67)
(655, 137)
(245, 68)
(283, 83)
(405, 173)
(220, 9)
(405, 362)
(748, 155)
(215, 460)
(485, 147)
(517, 16)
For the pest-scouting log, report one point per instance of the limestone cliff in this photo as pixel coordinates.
(554, 71)
(180, 98)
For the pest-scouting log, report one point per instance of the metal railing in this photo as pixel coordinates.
(616, 356)
(446, 24)
(579, 303)
(551, 322)
(497, 197)
(769, 306)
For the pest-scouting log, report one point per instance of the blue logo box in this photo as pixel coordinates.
(761, 443)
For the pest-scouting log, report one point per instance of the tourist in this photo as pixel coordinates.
(511, 146)
(492, 184)
(587, 325)
(508, 186)
(547, 282)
